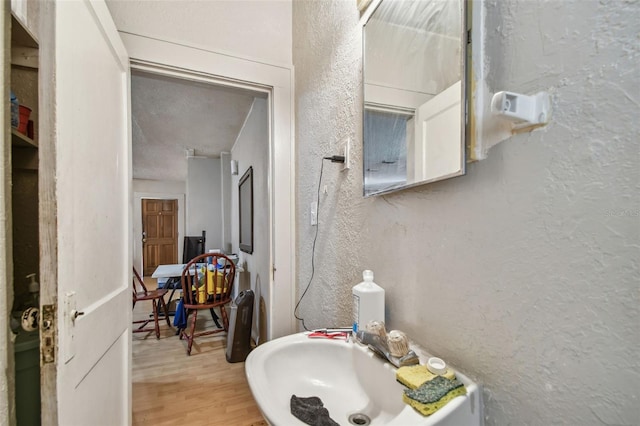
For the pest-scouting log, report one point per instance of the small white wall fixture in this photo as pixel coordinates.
(524, 111)
(496, 116)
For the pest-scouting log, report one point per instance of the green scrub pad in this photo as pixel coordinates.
(433, 394)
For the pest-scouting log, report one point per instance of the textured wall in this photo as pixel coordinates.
(523, 273)
(327, 61)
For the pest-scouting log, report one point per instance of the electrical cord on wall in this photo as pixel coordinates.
(334, 159)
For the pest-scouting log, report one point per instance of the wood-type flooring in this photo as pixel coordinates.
(171, 388)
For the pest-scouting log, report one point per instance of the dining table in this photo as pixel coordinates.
(169, 271)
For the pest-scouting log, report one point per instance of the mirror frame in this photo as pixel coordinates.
(245, 192)
(465, 49)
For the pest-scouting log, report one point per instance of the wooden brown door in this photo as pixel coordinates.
(159, 233)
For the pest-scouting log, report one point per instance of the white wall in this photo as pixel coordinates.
(204, 200)
(252, 150)
(225, 197)
(158, 186)
(256, 29)
(524, 272)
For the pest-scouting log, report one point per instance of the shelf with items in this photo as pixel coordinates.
(24, 86)
(24, 83)
(18, 139)
(23, 215)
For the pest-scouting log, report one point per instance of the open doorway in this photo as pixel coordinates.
(183, 135)
(275, 83)
(186, 132)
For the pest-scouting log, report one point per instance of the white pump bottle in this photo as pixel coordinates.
(368, 302)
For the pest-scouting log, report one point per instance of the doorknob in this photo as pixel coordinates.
(144, 237)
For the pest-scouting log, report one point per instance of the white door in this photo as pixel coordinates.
(91, 143)
(438, 120)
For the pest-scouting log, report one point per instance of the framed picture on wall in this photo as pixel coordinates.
(245, 206)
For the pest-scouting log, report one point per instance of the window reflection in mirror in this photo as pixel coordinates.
(414, 94)
(386, 153)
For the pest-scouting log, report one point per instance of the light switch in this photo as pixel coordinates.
(313, 213)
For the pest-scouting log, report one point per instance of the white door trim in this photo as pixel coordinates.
(7, 410)
(200, 64)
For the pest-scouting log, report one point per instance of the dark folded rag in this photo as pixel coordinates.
(311, 411)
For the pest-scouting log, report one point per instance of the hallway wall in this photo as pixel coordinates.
(252, 150)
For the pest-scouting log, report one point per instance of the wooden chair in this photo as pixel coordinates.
(204, 288)
(154, 296)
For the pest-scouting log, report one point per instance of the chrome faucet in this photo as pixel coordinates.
(380, 348)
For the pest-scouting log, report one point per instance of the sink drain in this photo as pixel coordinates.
(359, 419)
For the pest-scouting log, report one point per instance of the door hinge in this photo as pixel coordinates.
(48, 342)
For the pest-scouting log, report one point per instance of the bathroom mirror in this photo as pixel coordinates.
(414, 94)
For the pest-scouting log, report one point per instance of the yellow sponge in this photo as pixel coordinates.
(427, 409)
(414, 376)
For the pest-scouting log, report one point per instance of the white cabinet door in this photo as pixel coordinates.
(438, 146)
(93, 182)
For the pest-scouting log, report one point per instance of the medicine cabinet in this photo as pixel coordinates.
(414, 93)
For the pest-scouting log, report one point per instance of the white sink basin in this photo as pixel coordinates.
(348, 378)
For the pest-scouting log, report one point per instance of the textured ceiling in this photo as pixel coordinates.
(171, 115)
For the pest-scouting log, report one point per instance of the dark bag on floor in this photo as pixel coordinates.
(180, 317)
